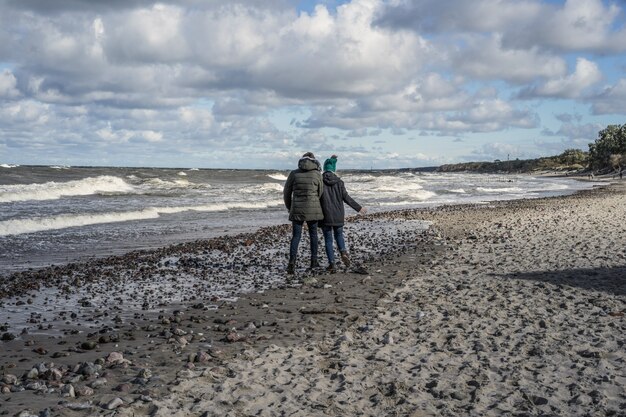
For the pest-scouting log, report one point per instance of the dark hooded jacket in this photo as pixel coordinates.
(332, 200)
(303, 190)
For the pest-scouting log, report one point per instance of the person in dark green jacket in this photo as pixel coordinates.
(332, 200)
(302, 193)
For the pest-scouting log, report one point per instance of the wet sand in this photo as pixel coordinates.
(511, 308)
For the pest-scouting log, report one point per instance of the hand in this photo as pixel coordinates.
(363, 210)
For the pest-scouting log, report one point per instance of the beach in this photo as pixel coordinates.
(506, 308)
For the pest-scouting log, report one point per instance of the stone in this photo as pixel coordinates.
(79, 406)
(8, 336)
(68, 391)
(83, 391)
(114, 357)
(98, 383)
(145, 373)
(9, 379)
(114, 403)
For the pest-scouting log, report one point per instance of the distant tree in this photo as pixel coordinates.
(573, 157)
(611, 141)
(615, 161)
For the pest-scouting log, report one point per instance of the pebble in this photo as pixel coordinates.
(100, 382)
(68, 391)
(114, 403)
(79, 406)
(9, 379)
(83, 391)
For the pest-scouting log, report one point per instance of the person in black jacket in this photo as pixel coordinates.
(301, 194)
(332, 200)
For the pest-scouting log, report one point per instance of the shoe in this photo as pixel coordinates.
(291, 267)
(331, 268)
(314, 263)
(345, 259)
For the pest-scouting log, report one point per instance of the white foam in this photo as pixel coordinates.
(8, 166)
(268, 187)
(39, 224)
(458, 191)
(104, 184)
(182, 174)
(499, 190)
(278, 176)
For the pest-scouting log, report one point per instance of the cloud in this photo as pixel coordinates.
(612, 100)
(193, 79)
(8, 85)
(575, 25)
(586, 75)
(486, 58)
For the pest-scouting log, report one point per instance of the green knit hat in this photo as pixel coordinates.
(331, 164)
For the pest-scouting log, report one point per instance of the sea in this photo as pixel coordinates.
(61, 214)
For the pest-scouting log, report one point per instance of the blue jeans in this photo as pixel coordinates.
(297, 234)
(328, 241)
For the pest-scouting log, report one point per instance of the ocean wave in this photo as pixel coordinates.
(104, 184)
(499, 190)
(165, 184)
(278, 176)
(268, 187)
(8, 166)
(64, 221)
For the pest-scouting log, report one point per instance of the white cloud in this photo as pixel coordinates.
(612, 100)
(486, 58)
(586, 75)
(8, 85)
(194, 77)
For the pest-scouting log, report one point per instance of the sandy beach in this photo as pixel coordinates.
(509, 308)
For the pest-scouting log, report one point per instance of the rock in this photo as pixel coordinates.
(202, 357)
(40, 350)
(457, 395)
(36, 386)
(98, 383)
(88, 345)
(89, 369)
(83, 391)
(8, 336)
(68, 391)
(115, 358)
(26, 413)
(114, 403)
(233, 337)
(125, 388)
(388, 339)
(145, 373)
(9, 379)
(345, 338)
(79, 406)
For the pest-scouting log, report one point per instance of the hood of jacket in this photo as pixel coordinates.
(330, 178)
(308, 164)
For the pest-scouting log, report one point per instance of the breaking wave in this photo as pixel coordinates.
(39, 224)
(104, 184)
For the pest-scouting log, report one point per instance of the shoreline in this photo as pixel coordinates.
(189, 346)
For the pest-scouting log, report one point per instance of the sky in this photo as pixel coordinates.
(256, 83)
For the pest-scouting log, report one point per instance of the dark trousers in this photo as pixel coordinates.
(297, 234)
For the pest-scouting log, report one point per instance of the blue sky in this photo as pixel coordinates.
(254, 84)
